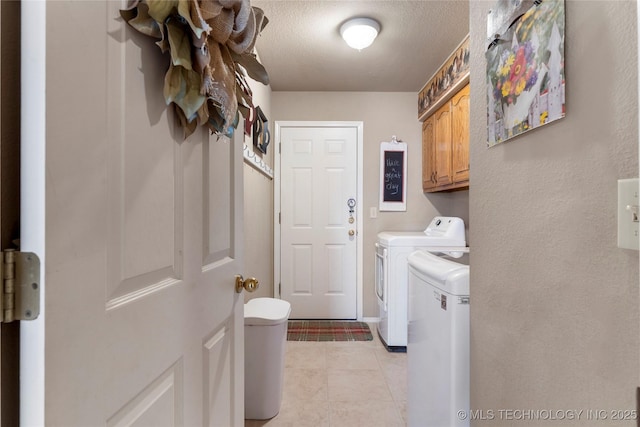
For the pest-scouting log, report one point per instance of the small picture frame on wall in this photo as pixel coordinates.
(249, 120)
(261, 134)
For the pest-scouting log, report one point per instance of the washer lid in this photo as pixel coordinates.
(442, 231)
(266, 311)
(449, 276)
(416, 239)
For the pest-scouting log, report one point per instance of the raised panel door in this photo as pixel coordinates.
(318, 255)
(442, 136)
(143, 235)
(460, 135)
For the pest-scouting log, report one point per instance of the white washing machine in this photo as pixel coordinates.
(438, 342)
(444, 234)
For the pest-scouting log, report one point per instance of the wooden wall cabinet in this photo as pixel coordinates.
(445, 145)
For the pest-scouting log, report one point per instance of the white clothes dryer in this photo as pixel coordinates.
(444, 234)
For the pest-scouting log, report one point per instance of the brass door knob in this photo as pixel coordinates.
(352, 233)
(250, 284)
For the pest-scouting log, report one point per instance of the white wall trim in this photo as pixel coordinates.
(252, 159)
(359, 208)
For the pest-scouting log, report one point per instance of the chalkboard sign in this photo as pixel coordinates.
(393, 176)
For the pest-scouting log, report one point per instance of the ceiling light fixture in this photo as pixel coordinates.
(360, 32)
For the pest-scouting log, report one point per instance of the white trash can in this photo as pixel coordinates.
(265, 335)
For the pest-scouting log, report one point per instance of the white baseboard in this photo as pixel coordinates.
(370, 319)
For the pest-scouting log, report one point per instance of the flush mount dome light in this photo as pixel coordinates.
(360, 32)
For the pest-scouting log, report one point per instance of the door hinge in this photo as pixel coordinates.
(279, 290)
(20, 273)
(279, 217)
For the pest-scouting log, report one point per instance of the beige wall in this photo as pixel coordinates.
(383, 114)
(258, 206)
(554, 302)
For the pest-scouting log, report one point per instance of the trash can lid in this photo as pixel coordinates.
(266, 311)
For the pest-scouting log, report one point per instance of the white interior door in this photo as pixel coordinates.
(141, 324)
(318, 242)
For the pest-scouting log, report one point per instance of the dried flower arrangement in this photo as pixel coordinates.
(211, 43)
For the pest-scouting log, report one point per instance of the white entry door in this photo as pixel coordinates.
(141, 324)
(318, 177)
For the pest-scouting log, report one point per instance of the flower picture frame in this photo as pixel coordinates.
(525, 73)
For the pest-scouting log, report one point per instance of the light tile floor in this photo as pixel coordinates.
(334, 384)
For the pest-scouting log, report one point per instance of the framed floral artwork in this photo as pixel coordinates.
(525, 72)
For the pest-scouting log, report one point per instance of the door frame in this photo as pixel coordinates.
(359, 126)
(32, 208)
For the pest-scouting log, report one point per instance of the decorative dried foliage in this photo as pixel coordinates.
(211, 46)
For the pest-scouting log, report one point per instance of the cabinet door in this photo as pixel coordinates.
(460, 135)
(442, 133)
(428, 155)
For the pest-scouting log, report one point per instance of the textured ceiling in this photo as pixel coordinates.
(302, 50)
